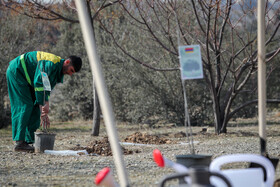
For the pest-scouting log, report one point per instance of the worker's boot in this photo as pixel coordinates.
(23, 146)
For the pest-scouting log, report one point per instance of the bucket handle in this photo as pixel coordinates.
(261, 160)
(183, 175)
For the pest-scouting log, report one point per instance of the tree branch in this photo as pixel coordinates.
(132, 57)
(276, 101)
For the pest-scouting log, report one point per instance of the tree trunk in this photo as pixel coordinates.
(217, 116)
(96, 106)
(224, 127)
(220, 127)
(216, 107)
(96, 115)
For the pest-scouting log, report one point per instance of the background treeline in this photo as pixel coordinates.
(138, 94)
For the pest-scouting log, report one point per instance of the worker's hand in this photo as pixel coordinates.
(45, 121)
(45, 108)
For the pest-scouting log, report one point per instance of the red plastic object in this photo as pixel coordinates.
(101, 175)
(158, 158)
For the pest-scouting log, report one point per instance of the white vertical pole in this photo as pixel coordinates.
(187, 121)
(261, 76)
(105, 103)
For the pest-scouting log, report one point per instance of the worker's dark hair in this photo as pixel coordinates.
(76, 62)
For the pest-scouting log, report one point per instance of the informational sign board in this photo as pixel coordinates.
(190, 62)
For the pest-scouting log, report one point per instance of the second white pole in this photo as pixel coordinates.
(102, 92)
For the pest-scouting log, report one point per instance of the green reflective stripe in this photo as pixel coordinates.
(24, 68)
(38, 89)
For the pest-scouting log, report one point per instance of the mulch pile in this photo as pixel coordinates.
(102, 148)
(144, 138)
(180, 135)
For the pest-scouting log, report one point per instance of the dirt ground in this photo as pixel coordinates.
(137, 142)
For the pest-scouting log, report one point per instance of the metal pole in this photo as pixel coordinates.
(187, 121)
(101, 90)
(261, 76)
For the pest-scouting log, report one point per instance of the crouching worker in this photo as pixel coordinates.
(30, 78)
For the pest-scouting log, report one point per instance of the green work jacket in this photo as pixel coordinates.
(34, 62)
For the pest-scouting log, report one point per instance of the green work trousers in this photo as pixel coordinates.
(25, 115)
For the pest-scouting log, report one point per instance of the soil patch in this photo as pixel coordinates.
(144, 138)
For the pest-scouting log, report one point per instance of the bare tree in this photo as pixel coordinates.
(226, 32)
